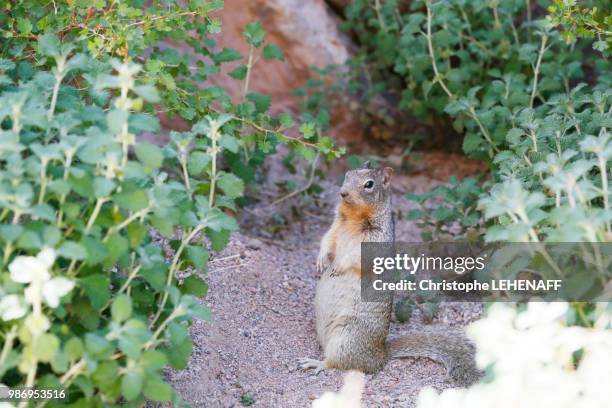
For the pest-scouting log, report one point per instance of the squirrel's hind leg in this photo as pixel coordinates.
(312, 364)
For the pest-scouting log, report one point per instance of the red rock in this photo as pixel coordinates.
(307, 33)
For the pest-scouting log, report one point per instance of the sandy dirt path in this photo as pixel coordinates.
(261, 299)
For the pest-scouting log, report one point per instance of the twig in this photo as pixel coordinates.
(477, 43)
(263, 129)
(536, 70)
(225, 258)
(186, 13)
(381, 20)
(231, 267)
(313, 168)
(249, 66)
(437, 77)
(272, 309)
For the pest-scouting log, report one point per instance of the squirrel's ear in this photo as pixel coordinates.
(387, 171)
(366, 165)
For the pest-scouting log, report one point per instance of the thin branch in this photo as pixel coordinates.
(536, 70)
(186, 13)
(437, 76)
(477, 43)
(306, 186)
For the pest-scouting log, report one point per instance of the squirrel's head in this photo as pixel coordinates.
(366, 187)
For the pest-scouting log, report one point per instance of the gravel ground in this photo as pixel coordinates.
(261, 294)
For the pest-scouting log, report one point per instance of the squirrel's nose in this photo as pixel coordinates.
(343, 194)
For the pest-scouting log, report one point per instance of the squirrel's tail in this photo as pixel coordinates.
(449, 347)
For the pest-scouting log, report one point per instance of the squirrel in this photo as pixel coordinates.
(353, 333)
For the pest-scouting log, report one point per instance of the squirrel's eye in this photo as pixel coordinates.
(369, 184)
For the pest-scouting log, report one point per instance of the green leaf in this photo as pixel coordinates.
(43, 211)
(24, 26)
(155, 275)
(45, 346)
(86, 315)
(254, 33)
(444, 214)
(285, 120)
(198, 256)
(308, 130)
(121, 308)
(131, 200)
(97, 289)
(103, 186)
(197, 162)
(116, 245)
(149, 155)
(136, 233)
(96, 251)
(59, 186)
(239, 72)
(74, 348)
(218, 239)
(29, 240)
(230, 143)
(306, 152)
(217, 220)
(272, 51)
(131, 384)
(143, 122)
(147, 92)
(178, 354)
(261, 101)
(600, 46)
(472, 142)
(134, 334)
(153, 360)
(157, 390)
(51, 235)
(194, 285)
(231, 185)
(201, 311)
(10, 232)
(163, 225)
(106, 374)
(226, 55)
(115, 119)
(414, 214)
(72, 250)
(59, 363)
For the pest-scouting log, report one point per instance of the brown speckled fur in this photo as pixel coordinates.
(352, 333)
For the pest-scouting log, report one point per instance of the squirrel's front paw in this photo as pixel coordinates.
(311, 364)
(321, 263)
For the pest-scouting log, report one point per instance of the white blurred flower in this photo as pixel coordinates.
(540, 313)
(26, 269)
(54, 289)
(34, 270)
(349, 395)
(12, 307)
(531, 356)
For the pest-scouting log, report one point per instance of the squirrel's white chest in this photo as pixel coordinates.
(347, 252)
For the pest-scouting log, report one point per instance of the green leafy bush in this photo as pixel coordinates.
(583, 22)
(533, 102)
(77, 221)
(456, 216)
(538, 111)
(89, 295)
